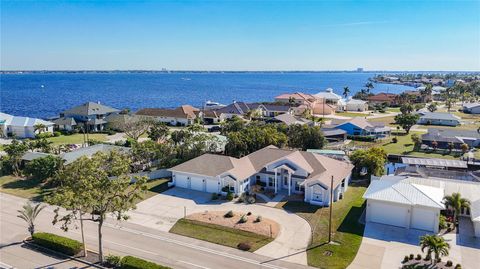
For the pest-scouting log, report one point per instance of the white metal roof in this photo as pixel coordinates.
(404, 193)
(434, 162)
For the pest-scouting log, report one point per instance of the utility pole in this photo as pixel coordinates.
(331, 207)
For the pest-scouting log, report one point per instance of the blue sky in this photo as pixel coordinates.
(240, 35)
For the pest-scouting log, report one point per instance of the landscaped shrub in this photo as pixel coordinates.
(245, 246)
(229, 214)
(242, 198)
(449, 263)
(458, 266)
(411, 257)
(251, 200)
(394, 140)
(243, 219)
(361, 138)
(56, 134)
(214, 196)
(112, 261)
(229, 196)
(442, 222)
(258, 219)
(130, 262)
(57, 243)
(405, 259)
(419, 257)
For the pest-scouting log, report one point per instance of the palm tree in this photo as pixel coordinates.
(346, 91)
(434, 244)
(39, 127)
(369, 86)
(29, 213)
(456, 202)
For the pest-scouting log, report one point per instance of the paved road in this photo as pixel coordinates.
(131, 239)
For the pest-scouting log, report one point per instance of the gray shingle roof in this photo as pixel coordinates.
(439, 116)
(90, 108)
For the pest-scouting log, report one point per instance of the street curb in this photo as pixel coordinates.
(26, 242)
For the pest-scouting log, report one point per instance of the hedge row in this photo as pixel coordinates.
(130, 262)
(361, 138)
(58, 243)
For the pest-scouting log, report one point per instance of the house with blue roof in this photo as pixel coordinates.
(359, 126)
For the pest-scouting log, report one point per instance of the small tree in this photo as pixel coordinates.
(406, 121)
(29, 213)
(43, 168)
(455, 202)
(417, 142)
(40, 127)
(434, 145)
(464, 148)
(432, 107)
(450, 146)
(158, 131)
(12, 160)
(134, 128)
(373, 159)
(434, 244)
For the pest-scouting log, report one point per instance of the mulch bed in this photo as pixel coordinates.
(422, 264)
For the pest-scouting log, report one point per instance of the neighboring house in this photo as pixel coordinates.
(239, 109)
(472, 108)
(118, 121)
(65, 123)
(383, 98)
(212, 117)
(272, 110)
(355, 105)
(414, 202)
(181, 116)
(334, 134)
(359, 126)
(290, 119)
(22, 127)
(329, 96)
(439, 118)
(443, 137)
(279, 170)
(89, 114)
(304, 101)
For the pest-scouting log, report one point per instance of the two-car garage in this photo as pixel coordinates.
(404, 205)
(196, 183)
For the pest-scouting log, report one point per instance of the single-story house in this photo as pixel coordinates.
(272, 110)
(212, 117)
(443, 137)
(439, 118)
(65, 123)
(414, 202)
(434, 163)
(238, 109)
(472, 108)
(359, 126)
(184, 115)
(23, 127)
(279, 170)
(90, 114)
(305, 101)
(118, 121)
(290, 119)
(334, 134)
(354, 105)
(298, 98)
(383, 98)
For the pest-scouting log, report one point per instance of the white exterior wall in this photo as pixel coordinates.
(356, 107)
(196, 182)
(476, 227)
(425, 218)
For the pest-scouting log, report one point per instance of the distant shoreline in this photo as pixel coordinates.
(222, 72)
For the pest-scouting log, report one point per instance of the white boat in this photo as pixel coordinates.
(213, 105)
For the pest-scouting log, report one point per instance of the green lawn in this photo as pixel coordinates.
(25, 188)
(351, 114)
(393, 109)
(155, 187)
(347, 231)
(389, 120)
(75, 138)
(219, 234)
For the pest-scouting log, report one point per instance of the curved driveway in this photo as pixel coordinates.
(163, 210)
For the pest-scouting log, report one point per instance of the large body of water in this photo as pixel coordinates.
(44, 95)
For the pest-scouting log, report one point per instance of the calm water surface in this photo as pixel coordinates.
(45, 95)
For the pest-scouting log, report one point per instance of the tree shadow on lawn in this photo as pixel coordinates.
(350, 223)
(29, 184)
(300, 207)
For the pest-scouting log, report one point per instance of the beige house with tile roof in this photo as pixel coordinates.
(183, 115)
(279, 170)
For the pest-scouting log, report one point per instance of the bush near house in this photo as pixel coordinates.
(130, 262)
(58, 243)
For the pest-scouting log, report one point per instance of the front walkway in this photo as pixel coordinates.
(385, 246)
(163, 210)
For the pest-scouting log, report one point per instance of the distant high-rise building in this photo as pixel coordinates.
(360, 69)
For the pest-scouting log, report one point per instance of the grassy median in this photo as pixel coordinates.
(219, 234)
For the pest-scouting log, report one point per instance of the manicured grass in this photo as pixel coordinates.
(25, 188)
(347, 231)
(219, 234)
(393, 109)
(75, 138)
(155, 187)
(388, 120)
(351, 114)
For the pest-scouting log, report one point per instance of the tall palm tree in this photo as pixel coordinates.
(369, 86)
(434, 244)
(346, 91)
(29, 213)
(456, 202)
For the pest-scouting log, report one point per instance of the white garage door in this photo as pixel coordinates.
(212, 186)
(423, 219)
(197, 184)
(388, 214)
(181, 181)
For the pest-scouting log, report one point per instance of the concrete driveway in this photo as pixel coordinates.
(384, 246)
(163, 210)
